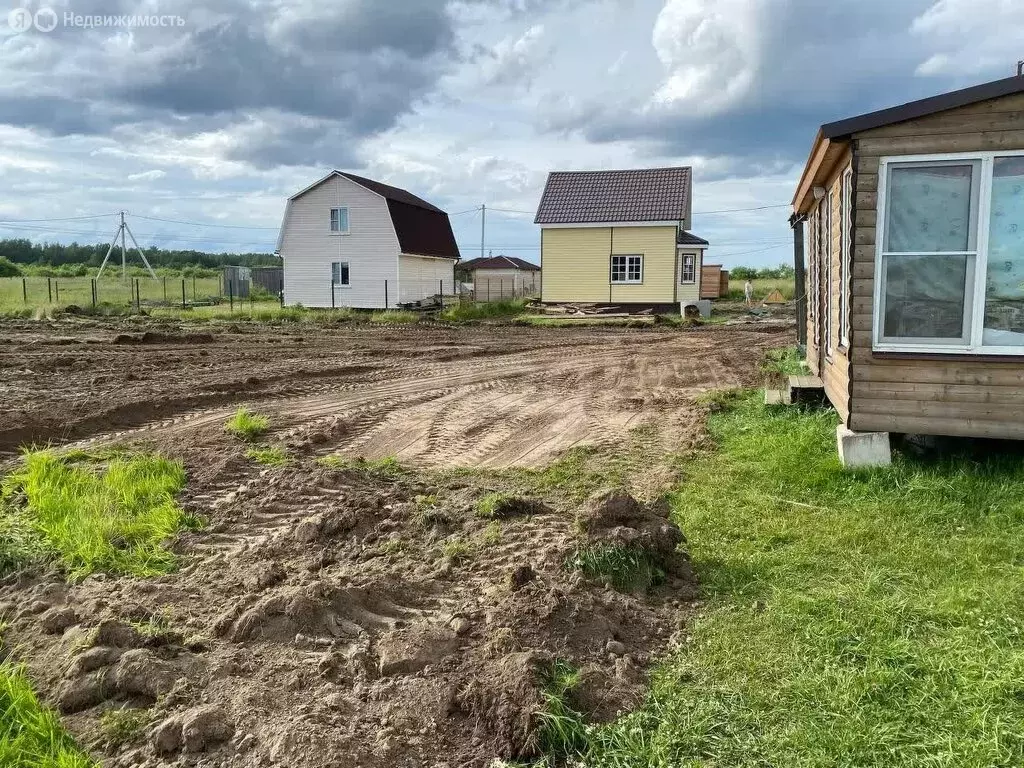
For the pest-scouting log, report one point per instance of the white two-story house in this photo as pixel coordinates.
(348, 241)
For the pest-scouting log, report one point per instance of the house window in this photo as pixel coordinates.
(627, 269)
(950, 254)
(339, 220)
(688, 272)
(340, 273)
(846, 248)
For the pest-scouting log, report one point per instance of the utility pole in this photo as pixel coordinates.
(123, 231)
(483, 227)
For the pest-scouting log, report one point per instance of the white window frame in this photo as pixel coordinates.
(627, 280)
(814, 254)
(693, 268)
(977, 267)
(337, 283)
(348, 223)
(845, 257)
(826, 250)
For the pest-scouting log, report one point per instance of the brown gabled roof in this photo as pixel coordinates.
(498, 262)
(594, 197)
(923, 107)
(422, 229)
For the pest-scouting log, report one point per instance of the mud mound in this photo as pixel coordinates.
(612, 517)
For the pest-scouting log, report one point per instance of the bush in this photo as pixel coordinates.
(7, 269)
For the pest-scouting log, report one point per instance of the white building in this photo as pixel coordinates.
(347, 241)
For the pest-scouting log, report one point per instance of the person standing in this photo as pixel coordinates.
(748, 293)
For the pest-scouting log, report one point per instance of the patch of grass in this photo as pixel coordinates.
(721, 399)
(113, 518)
(394, 546)
(428, 513)
(269, 455)
(395, 317)
(487, 506)
(857, 619)
(492, 534)
(124, 726)
(562, 733)
(457, 549)
(31, 736)
(778, 364)
(158, 625)
(388, 466)
(627, 569)
(247, 425)
(468, 312)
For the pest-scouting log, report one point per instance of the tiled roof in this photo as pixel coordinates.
(590, 197)
(688, 238)
(498, 262)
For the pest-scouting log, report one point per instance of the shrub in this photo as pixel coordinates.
(8, 269)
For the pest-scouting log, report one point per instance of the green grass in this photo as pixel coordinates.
(394, 317)
(269, 455)
(31, 736)
(387, 466)
(851, 619)
(784, 362)
(457, 549)
(247, 425)
(65, 291)
(627, 569)
(762, 287)
(561, 732)
(489, 505)
(492, 534)
(123, 726)
(110, 516)
(469, 311)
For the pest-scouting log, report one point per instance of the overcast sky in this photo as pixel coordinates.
(219, 119)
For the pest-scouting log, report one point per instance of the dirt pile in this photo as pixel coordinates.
(324, 616)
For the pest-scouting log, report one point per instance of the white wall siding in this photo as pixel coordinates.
(421, 277)
(308, 247)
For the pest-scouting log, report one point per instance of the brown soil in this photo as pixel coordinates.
(347, 617)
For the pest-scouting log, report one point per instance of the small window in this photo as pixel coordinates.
(339, 273)
(688, 273)
(627, 269)
(339, 220)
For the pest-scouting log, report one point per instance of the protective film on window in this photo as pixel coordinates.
(1004, 284)
(929, 209)
(925, 296)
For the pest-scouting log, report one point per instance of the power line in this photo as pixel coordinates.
(64, 218)
(747, 253)
(741, 210)
(198, 223)
(460, 213)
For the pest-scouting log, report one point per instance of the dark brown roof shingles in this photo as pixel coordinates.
(590, 197)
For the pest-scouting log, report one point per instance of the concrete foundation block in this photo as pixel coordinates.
(861, 450)
(776, 397)
(703, 306)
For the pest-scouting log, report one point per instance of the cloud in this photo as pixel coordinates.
(969, 37)
(153, 175)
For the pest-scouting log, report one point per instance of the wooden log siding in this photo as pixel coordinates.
(927, 394)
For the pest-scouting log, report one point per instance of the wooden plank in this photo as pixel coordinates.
(1000, 104)
(917, 425)
(863, 270)
(864, 254)
(938, 371)
(866, 200)
(868, 166)
(863, 289)
(863, 235)
(953, 121)
(954, 142)
(866, 182)
(946, 393)
(935, 409)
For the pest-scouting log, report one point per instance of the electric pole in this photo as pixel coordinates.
(124, 230)
(483, 227)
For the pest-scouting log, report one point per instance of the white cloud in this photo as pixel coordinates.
(970, 37)
(147, 175)
(711, 50)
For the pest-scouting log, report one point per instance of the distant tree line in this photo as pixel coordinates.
(19, 256)
(781, 272)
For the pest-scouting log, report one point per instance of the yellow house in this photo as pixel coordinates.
(620, 237)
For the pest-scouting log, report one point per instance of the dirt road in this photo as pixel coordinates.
(431, 396)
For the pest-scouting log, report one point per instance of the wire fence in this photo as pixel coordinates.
(62, 292)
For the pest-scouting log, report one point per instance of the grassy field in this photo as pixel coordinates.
(852, 619)
(763, 287)
(40, 293)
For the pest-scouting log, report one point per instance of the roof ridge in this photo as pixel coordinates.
(629, 170)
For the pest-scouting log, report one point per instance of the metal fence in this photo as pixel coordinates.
(506, 288)
(21, 292)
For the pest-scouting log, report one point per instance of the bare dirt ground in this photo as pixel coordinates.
(357, 616)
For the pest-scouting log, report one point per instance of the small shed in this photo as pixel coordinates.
(714, 282)
(270, 279)
(495, 278)
(912, 223)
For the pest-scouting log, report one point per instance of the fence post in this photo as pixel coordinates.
(92, 291)
(385, 294)
(488, 290)
(231, 293)
(24, 289)
(332, 292)
(165, 288)
(56, 289)
(440, 292)
(138, 296)
(183, 293)
(501, 289)
(49, 291)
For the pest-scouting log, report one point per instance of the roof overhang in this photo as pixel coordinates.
(825, 153)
